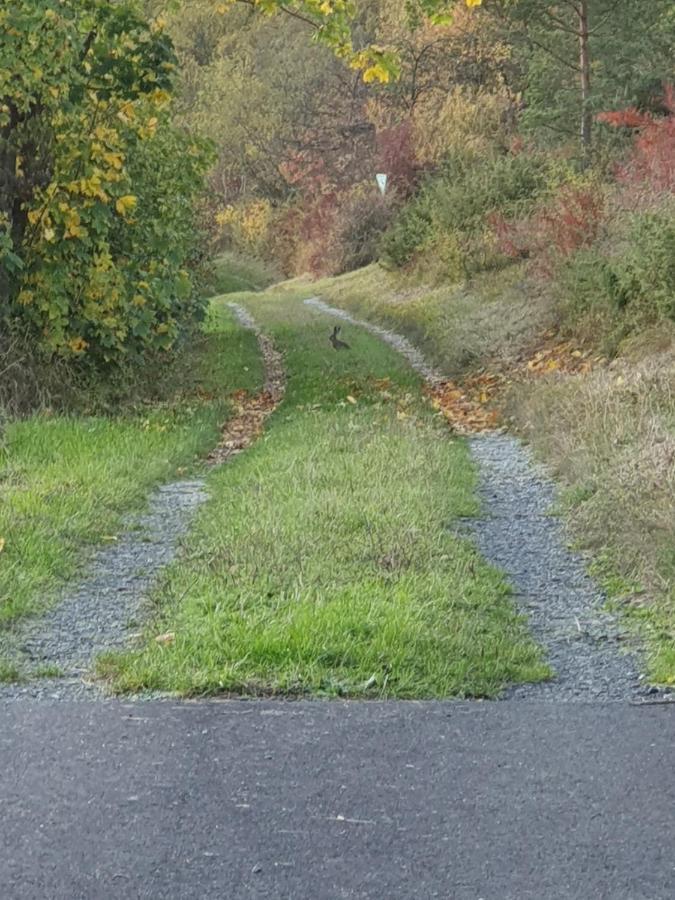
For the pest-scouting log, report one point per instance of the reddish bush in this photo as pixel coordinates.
(396, 157)
(651, 167)
(569, 222)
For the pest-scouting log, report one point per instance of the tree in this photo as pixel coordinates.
(93, 243)
(571, 33)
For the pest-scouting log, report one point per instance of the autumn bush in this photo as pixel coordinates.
(650, 170)
(566, 221)
(97, 227)
(449, 216)
(333, 232)
(466, 120)
(625, 283)
(622, 279)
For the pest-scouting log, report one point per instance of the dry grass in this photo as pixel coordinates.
(610, 438)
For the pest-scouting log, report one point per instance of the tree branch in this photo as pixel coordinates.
(294, 14)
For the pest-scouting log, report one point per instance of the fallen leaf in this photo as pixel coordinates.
(352, 400)
(167, 638)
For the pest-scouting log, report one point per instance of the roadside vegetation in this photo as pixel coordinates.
(232, 273)
(610, 438)
(327, 561)
(66, 480)
(525, 241)
(512, 246)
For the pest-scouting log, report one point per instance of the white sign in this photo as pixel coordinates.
(382, 183)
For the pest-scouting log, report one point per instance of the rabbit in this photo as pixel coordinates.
(336, 342)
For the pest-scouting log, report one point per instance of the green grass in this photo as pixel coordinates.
(326, 562)
(66, 481)
(232, 273)
(459, 327)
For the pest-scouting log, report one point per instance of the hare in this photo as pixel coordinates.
(336, 342)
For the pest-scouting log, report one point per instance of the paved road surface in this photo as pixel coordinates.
(319, 801)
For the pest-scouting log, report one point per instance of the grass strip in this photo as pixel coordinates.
(326, 561)
(66, 481)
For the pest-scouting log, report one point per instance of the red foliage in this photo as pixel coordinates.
(396, 156)
(631, 117)
(652, 165)
(573, 218)
(328, 224)
(571, 221)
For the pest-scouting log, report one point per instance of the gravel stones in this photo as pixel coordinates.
(101, 612)
(583, 643)
(106, 608)
(517, 533)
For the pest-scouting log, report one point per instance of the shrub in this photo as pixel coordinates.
(642, 281)
(567, 222)
(651, 167)
(410, 232)
(632, 287)
(360, 222)
(97, 230)
(453, 206)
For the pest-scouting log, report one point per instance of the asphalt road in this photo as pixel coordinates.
(320, 801)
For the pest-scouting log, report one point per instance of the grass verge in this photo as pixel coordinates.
(609, 436)
(610, 439)
(326, 561)
(66, 481)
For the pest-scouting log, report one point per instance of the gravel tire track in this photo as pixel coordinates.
(584, 644)
(102, 612)
(398, 342)
(518, 534)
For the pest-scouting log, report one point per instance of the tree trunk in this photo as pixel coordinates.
(585, 69)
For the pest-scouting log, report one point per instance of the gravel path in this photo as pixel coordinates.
(275, 375)
(584, 644)
(398, 342)
(564, 606)
(103, 611)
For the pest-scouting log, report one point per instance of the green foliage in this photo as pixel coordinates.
(96, 222)
(627, 290)
(449, 213)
